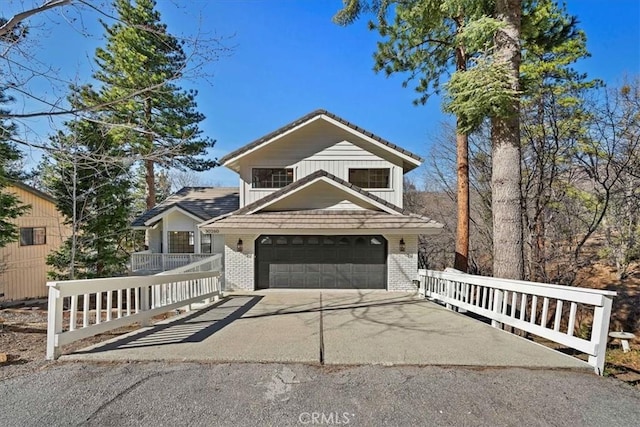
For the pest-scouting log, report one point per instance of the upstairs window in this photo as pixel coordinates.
(370, 178)
(30, 236)
(271, 177)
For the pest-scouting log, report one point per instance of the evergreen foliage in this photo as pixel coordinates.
(92, 189)
(10, 206)
(137, 69)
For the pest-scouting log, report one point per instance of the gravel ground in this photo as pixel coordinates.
(23, 340)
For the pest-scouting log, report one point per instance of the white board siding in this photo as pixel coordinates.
(339, 168)
(155, 239)
(177, 221)
(320, 195)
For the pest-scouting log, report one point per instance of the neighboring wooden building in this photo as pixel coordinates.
(23, 268)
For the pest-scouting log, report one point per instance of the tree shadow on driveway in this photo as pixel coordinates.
(192, 328)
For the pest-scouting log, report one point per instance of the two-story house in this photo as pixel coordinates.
(320, 207)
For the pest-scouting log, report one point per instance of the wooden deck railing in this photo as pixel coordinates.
(211, 263)
(537, 308)
(115, 302)
(147, 261)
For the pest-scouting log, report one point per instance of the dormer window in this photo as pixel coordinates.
(370, 178)
(271, 177)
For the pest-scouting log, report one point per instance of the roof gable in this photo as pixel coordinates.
(386, 148)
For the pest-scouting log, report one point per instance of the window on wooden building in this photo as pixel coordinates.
(30, 236)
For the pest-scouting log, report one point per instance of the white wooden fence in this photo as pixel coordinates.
(147, 261)
(537, 308)
(115, 302)
(211, 263)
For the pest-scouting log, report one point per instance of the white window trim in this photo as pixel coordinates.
(391, 187)
(249, 182)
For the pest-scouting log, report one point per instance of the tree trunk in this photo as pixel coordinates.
(461, 261)
(150, 180)
(150, 176)
(462, 230)
(508, 254)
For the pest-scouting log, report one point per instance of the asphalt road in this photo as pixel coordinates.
(192, 394)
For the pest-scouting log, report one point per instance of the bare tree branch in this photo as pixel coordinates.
(16, 19)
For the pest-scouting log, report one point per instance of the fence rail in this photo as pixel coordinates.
(147, 261)
(115, 302)
(211, 263)
(537, 308)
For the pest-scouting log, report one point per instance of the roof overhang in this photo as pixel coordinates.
(324, 222)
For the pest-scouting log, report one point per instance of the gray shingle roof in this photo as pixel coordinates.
(306, 118)
(202, 202)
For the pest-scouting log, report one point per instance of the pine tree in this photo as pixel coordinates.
(138, 68)
(10, 206)
(552, 115)
(427, 39)
(480, 40)
(92, 188)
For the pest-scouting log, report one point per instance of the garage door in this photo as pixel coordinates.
(339, 262)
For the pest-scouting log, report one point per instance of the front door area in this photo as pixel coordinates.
(321, 262)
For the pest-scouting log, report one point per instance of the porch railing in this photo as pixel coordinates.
(115, 302)
(147, 261)
(211, 263)
(537, 308)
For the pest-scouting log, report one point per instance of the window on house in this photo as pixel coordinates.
(30, 236)
(370, 178)
(181, 242)
(206, 243)
(271, 178)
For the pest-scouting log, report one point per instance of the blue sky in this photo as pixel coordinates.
(289, 58)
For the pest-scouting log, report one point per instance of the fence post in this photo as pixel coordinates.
(54, 326)
(497, 307)
(599, 334)
(145, 304)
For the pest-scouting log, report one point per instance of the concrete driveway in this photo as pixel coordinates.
(333, 328)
